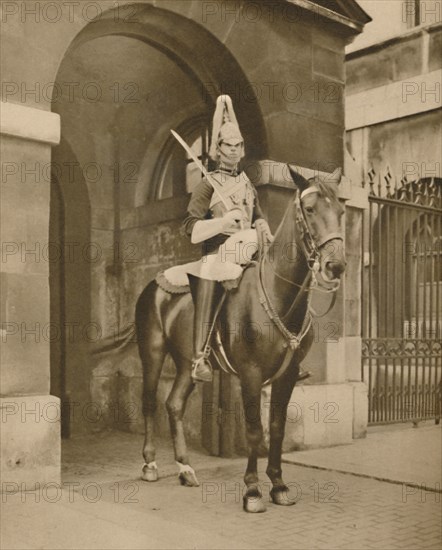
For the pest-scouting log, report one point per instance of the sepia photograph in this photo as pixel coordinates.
(221, 274)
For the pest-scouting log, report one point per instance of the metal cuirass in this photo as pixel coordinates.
(237, 192)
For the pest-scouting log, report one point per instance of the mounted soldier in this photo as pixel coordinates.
(221, 215)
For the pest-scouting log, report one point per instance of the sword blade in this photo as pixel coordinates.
(201, 167)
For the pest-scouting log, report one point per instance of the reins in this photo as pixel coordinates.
(311, 253)
(303, 288)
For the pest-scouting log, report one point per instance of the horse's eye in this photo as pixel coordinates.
(309, 209)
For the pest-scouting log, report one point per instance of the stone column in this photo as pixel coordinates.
(352, 335)
(30, 416)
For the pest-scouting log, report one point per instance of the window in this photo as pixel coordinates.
(179, 174)
(421, 12)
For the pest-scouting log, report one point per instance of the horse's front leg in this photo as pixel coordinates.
(281, 392)
(251, 395)
(176, 405)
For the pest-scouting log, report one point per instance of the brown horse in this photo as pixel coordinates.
(307, 242)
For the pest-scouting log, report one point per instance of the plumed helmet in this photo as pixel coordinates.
(225, 126)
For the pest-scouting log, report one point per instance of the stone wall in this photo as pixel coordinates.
(30, 417)
(393, 105)
(400, 58)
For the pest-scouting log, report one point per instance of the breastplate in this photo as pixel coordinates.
(237, 192)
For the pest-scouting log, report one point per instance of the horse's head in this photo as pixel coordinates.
(318, 215)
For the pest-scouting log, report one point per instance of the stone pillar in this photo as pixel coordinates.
(331, 407)
(30, 416)
(352, 337)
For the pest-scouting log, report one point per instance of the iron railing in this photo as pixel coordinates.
(402, 299)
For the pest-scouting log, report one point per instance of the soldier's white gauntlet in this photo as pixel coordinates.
(205, 229)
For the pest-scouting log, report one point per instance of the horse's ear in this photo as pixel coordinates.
(299, 180)
(336, 176)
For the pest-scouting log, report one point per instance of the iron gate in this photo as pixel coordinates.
(402, 300)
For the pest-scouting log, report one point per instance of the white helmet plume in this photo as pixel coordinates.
(225, 125)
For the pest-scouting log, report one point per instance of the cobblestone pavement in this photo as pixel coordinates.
(333, 510)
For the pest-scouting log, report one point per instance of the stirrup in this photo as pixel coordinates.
(205, 374)
(303, 375)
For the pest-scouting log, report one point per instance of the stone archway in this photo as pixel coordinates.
(198, 52)
(124, 86)
(70, 282)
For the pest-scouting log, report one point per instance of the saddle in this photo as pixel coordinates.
(173, 287)
(173, 281)
(225, 266)
(217, 358)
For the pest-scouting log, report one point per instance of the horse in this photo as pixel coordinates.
(307, 245)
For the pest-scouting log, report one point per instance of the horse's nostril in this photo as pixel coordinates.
(335, 267)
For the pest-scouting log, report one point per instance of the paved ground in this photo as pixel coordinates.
(396, 453)
(109, 507)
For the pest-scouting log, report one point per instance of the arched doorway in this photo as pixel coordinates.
(121, 88)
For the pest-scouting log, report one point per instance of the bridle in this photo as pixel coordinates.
(311, 250)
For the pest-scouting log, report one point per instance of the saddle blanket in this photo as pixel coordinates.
(226, 265)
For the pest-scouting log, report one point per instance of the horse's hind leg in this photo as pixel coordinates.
(152, 353)
(176, 405)
(281, 392)
(251, 396)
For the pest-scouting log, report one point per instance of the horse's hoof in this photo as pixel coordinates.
(188, 479)
(253, 502)
(187, 475)
(281, 496)
(253, 505)
(149, 472)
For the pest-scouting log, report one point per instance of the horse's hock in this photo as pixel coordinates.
(116, 398)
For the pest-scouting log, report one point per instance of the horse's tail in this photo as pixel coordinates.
(117, 342)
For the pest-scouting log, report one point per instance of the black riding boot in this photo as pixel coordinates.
(208, 297)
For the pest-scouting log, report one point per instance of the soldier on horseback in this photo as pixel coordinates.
(221, 215)
(214, 218)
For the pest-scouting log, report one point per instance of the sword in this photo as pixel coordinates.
(201, 167)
